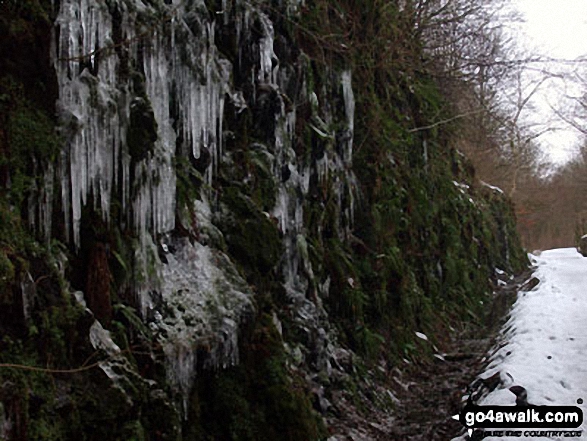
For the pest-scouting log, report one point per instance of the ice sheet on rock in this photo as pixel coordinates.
(205, 302)
(40, 203)
(336, 167)
(267, 74)
(147, 275)
(101, 339)
(288, 209)
(349, 107)
(28, 290)
(336, 164)
(208, 232)
(297, 267)
(116, 367)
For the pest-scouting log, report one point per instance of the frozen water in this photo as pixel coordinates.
(208, 300)
(186, 83)
(545, 350)
(190, 82)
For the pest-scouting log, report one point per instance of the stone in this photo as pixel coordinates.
(583, 245)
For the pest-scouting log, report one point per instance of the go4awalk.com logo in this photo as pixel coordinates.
(544, 418)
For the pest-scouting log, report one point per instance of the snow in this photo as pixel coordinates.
(101, 339)
(463, 188)
(546, 349)
(461, 185)
(492, 187)
(422, 336)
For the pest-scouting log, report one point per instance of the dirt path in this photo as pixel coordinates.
(426, 395)
(432, 393)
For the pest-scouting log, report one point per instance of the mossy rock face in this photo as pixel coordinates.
(7, 274)
(258, 400)
(263, 188)
(252, 237)
(31, 143)
(28, 92)
(31, 135)
(25, 42)
(420, 251)
(142, 133)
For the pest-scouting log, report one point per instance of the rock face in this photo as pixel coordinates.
(583, 246)
(208, 252)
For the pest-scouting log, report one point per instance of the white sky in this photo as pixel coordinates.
(558, 29)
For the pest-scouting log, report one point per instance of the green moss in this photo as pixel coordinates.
(7, 274)
(189, 184)
(426, 251)
(31, 135)
(258, 400)
(33, 144)
(142, 132)
(263, 187)
(252, 237)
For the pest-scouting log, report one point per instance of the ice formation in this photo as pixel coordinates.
(111, 56)
(90, 107)
(186, 86)
(208, 300)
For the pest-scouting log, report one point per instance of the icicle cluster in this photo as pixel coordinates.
(337, 165)
(186, 82)
(92, 109)
(172, 48)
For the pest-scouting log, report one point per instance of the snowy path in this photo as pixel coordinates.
(546, 351)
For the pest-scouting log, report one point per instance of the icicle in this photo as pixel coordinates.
(28, 290)
(349, 108)
(88, 107)
(182, 360)
(266, 75)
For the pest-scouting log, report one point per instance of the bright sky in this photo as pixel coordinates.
(558, 29)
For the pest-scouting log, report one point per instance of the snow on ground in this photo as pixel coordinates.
(546, 335)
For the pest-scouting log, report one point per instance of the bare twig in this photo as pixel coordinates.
(446, 121)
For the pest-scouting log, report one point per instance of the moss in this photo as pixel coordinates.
(32, 143)
(188, 187)
(7, 274)
(258, 400)
(252, 238)
(263, 186)
(419, 255)
(142, 131)
(31, 135)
